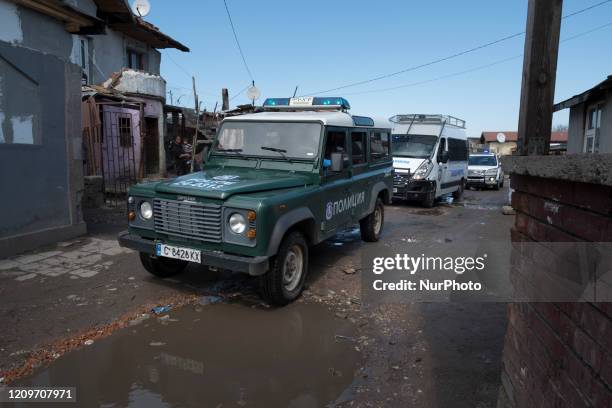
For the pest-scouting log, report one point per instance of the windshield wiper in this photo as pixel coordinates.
(274, 149)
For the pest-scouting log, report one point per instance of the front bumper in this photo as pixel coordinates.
(481, 181)
(252, 265)
(412, 189)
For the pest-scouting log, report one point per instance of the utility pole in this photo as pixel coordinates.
(171, 101)
(195, 136)
(539, 75)
(225, 99)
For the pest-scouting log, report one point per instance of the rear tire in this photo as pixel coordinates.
(457, 194)
(162, 267)
(284, 282)
(371, 226)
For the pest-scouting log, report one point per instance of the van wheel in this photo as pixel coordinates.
(496, 187)
(162, 267)
(457, 194)
(284, 282)
(429, 201)
(372, 225)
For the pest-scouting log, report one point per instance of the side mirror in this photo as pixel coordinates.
(444, 157)
(337, 162)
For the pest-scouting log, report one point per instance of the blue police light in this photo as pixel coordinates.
(272, 102)
(307, 102)
(331, 101)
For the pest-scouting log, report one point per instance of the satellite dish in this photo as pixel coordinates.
(141, 7)
(253, 93)
(501, 138)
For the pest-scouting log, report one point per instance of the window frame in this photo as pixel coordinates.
(371, 157)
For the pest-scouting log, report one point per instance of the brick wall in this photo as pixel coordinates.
(558, 354)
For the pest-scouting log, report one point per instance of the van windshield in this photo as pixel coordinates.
(419, 146)
(482, 161)
(281, 140)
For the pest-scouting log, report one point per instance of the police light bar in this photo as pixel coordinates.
(307, 102)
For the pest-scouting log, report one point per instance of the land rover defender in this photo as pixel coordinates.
(274, 183)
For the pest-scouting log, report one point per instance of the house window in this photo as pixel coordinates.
(592, 129)
(125, 131)
(135, 60)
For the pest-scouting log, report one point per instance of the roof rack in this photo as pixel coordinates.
(418, 118)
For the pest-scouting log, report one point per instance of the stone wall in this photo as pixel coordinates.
(559, 354)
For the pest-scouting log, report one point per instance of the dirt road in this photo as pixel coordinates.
(79, 314)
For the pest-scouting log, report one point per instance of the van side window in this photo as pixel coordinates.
(457, 150)
(379, 145)
(358, 147)
(441, 148)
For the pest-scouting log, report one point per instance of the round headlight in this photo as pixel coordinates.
(237, 223)
(146, 211)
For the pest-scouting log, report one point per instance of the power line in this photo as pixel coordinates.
(478, 68)
(240, 93)
(229, 16)
(181, 67)
(452, 56)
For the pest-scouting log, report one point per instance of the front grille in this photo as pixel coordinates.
(187, 219)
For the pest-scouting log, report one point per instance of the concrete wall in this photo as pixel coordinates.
(108, 55)
(575, 131)
(40, 138)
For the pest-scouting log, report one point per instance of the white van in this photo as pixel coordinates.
(430, 157)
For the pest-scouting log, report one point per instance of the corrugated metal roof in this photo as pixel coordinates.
(584, 96)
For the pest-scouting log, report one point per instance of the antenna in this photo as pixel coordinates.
(141, 8)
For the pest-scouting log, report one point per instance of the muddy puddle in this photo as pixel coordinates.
(221, 355)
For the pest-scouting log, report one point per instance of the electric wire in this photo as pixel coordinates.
(246, 66)
(449, 57)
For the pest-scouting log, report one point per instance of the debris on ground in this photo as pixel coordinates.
(349, 271)
(157, 343)
(508, 210)
(88, 342)
(161, 309)
(210, 300)
(345, 338)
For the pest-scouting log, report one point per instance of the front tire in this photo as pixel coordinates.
(162, 267)
(430, 200)
(284, 282)
(371, 226)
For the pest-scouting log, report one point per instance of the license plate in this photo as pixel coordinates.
(174, 252)
(395, 190)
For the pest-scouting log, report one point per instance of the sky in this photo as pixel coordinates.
(318, 45)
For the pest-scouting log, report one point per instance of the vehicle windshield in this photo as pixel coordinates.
(482, 161)
(419, 146)
(282, 140)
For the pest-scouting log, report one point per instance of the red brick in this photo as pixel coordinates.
(578, 222)
(593, 197)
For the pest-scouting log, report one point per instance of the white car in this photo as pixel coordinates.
(485, 171)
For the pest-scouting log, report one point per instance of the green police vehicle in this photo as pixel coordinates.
(275, 182)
